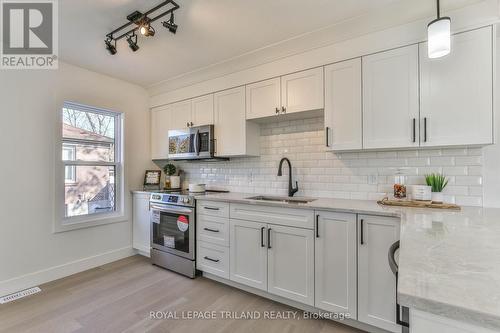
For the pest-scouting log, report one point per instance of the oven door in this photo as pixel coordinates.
(191, 143)
(173, 230)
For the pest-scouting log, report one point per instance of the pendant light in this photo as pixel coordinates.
(439, 36)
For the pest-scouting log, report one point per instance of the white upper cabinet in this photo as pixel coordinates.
(181, 114)
(263, 99)
(233, 134)
(302, 91)
(202, 110)
(456, 92)
(335, 262)
(343, 115)
(391, 99)
(160, 124)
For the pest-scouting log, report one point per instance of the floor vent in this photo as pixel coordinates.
(19, 294)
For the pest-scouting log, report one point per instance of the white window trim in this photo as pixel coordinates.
(73, 168)
(63, 223)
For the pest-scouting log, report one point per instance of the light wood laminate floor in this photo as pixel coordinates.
(118, 297)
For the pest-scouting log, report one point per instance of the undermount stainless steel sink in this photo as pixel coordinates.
(288, 200)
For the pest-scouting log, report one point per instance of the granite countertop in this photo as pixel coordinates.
(449, 261)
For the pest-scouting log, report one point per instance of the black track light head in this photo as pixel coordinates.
(147, 30)
(110, 47)
(132, 42)
(170, 25)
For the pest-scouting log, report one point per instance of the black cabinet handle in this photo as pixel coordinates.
(277, 110)
(317, 226)
(208, 258)
(283, 109)
(262, 237)
(211, 230)
(414, 129)
(269, 238)
(327, 134)
(211, 208)
(425, 129)
(362, 232)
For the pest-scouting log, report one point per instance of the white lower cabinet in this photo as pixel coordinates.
(290, 259)
(141, 226)
(248, 253)
(213, 259)
(335, 262)
(376, 282)
(277, 259)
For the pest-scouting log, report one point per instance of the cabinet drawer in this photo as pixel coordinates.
(213, 208)
(213, 259)
(301, 218)
(213, 229)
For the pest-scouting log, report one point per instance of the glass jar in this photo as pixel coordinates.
(399, 185)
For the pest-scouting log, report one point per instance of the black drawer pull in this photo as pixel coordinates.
(208, 258)
(211, 208)
(317, 226)
(262, 237)
(362, 236)
(269, 238)
(211, 230)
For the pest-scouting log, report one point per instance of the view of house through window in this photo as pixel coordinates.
(90, 153)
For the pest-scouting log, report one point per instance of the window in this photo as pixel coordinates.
(91, 156)
(69, 152)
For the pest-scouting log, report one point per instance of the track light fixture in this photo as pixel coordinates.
(142, 22)
(132, 42)
(110, 47)
(170, 24)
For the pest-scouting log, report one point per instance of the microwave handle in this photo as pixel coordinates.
(197, 142)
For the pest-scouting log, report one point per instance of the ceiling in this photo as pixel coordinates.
(210, 31)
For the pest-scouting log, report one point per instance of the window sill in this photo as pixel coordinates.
(89, 221)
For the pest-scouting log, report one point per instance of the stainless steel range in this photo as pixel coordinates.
(173, 231)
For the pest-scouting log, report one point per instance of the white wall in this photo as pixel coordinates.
(30, 109)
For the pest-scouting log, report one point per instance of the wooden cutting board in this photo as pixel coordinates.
(417, 204)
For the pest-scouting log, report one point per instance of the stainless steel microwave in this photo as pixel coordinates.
(191, 143)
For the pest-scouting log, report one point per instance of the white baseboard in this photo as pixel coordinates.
(143, 250)
(53, 273)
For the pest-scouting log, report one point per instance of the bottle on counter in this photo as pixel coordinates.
(399, 185)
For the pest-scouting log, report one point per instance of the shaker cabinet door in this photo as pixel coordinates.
(391, 99)
(456, 92)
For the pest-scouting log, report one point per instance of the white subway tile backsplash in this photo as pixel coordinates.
(443, 161)
(469, 160)
(338, 175)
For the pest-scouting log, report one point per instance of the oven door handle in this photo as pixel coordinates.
(394, 268)
(172, 210)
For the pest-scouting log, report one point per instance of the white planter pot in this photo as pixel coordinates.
(437, 197)
(175, 181)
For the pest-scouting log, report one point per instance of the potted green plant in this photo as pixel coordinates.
(171, 180)
(437, 182)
